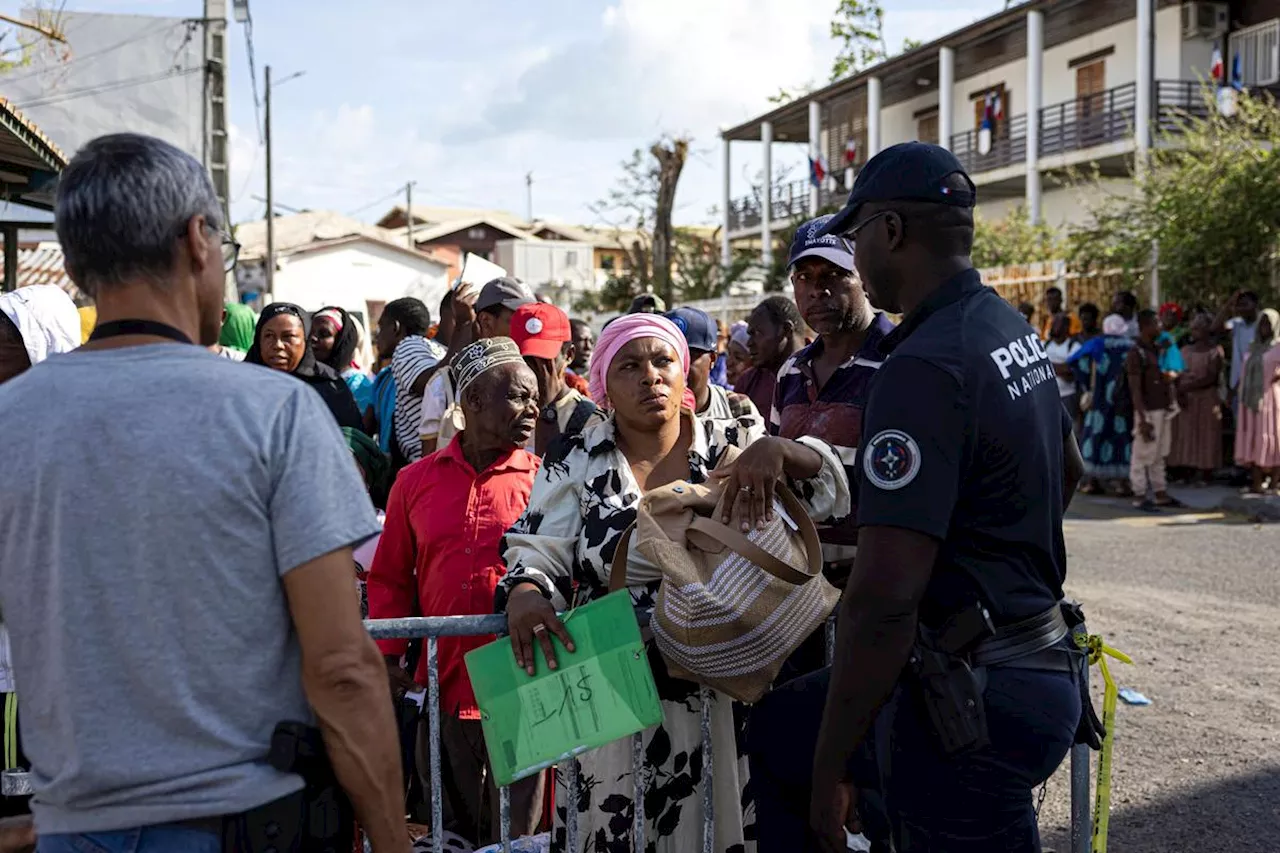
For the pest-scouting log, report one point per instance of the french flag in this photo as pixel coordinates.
(1216, 67)
(817, 171)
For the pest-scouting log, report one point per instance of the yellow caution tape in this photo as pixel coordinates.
(1098, 652)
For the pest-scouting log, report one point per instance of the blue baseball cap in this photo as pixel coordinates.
(908, 171)
(698, 328)
(813, 240)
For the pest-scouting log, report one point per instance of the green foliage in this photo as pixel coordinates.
(697, 270)
(1210, 200)
(859, 27)
(1013, 240)
(614, 297)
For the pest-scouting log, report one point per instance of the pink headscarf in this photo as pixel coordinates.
(623, 331)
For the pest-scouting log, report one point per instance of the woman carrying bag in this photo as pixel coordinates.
(560, 553)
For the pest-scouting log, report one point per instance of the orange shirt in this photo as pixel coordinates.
(445, 524)
(1073, 324)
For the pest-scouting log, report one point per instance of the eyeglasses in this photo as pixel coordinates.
(230, 248)
(851, 233)
(230, 252)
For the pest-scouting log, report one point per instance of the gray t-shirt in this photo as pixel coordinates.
(153, 498)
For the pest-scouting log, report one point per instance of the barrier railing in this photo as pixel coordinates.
(16, 783)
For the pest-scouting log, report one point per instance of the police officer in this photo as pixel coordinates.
(951, 639)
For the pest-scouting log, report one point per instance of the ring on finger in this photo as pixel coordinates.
(539, 628)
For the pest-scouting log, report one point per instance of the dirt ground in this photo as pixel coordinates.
(1195, 600)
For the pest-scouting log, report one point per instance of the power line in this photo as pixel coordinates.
(61, 66)
(377, 202)
(88, 91)
(253, 70)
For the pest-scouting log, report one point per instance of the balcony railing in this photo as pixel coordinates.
(1075, 125)
(790, 203)
(1088, 120)
(1008, 146)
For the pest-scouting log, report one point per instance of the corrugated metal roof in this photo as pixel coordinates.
(43, 264)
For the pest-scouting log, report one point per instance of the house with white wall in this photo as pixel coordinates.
(1061, 85)
(323, 258)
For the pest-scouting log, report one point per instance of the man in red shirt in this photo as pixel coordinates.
(445, 518)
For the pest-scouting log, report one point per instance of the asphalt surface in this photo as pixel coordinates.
(1195, 599)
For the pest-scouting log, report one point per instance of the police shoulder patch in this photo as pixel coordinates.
(891, 459)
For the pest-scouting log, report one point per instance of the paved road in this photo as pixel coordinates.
(1195, 599)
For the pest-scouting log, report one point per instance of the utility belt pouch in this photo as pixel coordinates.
(317, 818)
(950, 689)
(1090, 731)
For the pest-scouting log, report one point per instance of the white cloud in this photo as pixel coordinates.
(476, 121)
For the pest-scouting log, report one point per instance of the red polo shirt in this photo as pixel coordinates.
(445, 523)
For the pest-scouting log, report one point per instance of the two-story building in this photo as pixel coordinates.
(1025, 98)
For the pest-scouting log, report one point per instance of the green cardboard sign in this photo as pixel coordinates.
(600, 693)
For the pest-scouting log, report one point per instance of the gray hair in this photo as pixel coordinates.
(122, 203)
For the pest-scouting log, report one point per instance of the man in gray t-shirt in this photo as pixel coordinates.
(175, 535)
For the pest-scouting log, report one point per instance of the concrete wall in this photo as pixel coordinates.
(547, 262)
(1059, 206)
(116, 49)
(354, 274)
(898, 122)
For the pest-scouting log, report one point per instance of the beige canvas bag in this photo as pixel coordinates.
(731, 607)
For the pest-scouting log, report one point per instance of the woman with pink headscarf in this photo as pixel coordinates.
(559, 554)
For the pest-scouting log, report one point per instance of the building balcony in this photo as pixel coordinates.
(1008, 146)
(790, 204)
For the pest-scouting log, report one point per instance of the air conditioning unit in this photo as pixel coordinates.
(1204, 20)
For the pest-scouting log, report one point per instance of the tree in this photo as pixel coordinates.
(698, 273)
(1209, 199)
(1013, 240)
(670, 155)
(638, 209)
(629, 210)
(859, 27)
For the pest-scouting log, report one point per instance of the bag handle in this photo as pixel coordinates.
(618, 573)
(735, 541)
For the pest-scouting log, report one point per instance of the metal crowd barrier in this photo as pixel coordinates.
(16, 783)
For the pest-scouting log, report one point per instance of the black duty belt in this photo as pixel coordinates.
(1026, 644)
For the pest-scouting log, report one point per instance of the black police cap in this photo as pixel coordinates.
(908, 171)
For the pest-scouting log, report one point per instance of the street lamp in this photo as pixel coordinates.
(271, 211)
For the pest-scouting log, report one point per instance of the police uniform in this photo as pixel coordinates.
(962, 441)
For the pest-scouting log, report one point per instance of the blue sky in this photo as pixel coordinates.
(465, 98)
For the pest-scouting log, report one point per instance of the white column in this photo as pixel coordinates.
(815, 138)
(1035, 96)
(946, 95)
(726, 253)
(873, 116)
(1145, 78)
(1144, 114)
(766, 213)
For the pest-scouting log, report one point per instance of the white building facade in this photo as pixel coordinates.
(1024, 98)
(357, 273)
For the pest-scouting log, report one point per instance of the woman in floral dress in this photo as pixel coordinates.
(561, 551)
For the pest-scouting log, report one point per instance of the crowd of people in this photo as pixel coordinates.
(249, 490)
(1169, 394)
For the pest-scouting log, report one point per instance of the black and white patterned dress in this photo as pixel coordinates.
(582, 501)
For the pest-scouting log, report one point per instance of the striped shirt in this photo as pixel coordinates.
(832, 413)
(413, 356)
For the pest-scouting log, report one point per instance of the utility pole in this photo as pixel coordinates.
(528, 196)
(408, 211)
(214, 147)
(271, 210)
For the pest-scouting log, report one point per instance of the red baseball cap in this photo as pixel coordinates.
(540, 330)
